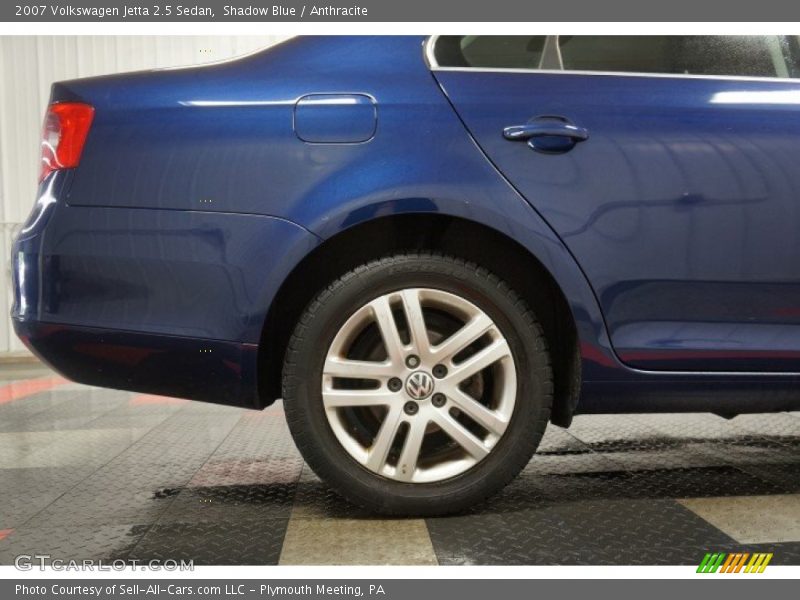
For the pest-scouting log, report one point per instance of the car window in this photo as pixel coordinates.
(490, 51)
(756, 56)
(751, 56)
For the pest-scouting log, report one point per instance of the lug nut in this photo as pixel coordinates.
(412, 361)
(438, 400)
(411, 408)
(395, 384)
(439, 371)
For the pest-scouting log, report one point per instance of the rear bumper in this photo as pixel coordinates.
(164, 302)
(211, 371)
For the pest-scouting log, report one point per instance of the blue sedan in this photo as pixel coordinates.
(430, 248)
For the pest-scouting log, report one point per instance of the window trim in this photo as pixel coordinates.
(430, 61)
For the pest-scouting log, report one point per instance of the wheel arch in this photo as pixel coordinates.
(467, 239)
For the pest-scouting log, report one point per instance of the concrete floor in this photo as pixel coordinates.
(91, 473)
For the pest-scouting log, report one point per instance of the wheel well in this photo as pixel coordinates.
(450, 235)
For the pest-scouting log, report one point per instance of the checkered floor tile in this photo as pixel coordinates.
(91, 473)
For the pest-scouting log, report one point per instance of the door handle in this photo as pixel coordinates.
(550, 135)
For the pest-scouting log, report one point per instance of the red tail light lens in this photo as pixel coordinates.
(66, 126)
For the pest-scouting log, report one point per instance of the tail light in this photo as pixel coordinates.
(66, 126)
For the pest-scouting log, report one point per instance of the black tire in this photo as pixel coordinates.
(305, 357)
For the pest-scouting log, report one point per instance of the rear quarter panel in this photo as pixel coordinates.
(219, 140)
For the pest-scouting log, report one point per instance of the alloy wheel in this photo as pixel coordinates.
(419, 385)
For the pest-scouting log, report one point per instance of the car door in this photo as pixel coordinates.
(669, 167)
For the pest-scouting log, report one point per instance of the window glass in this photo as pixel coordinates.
(680, 54)
(489, 51)
(755, 56)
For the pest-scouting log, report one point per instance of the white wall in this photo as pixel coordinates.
(28, 65)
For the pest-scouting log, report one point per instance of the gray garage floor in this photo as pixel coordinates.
(91, 473)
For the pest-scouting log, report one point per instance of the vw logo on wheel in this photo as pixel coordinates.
(419, 385)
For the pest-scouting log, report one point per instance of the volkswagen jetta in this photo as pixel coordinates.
(430, 248)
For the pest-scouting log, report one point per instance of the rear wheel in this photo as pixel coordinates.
(417, 384)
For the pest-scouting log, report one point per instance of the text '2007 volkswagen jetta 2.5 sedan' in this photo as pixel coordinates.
(430, 248)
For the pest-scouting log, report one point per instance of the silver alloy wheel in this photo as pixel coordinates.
(424, 422)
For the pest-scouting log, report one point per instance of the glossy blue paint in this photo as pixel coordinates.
(186, 273)
(681, 208)
(197, 196)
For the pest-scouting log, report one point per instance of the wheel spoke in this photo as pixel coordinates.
(356, 398)
(495, 351)
(461, 339)
(382, 310)
(462, 436)
(479, 413)
(379, 451)
(416, 323)
(407, 464)
(357, 369)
